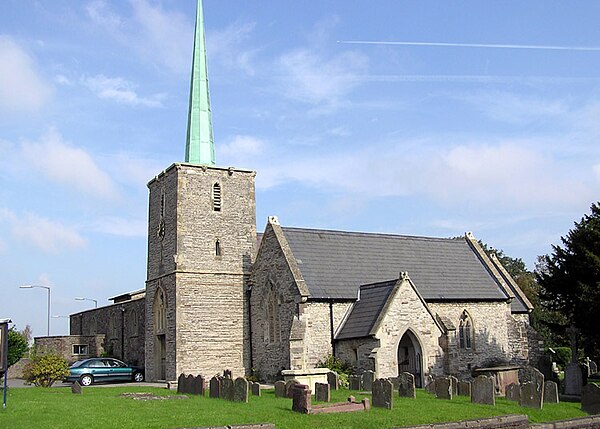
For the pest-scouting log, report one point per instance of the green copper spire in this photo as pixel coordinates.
(199, 145)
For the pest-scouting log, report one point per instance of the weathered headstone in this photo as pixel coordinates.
(550, 392)
(590, 399)
(443, 388)
(288, 387)
(531, 395)
(513, 392)
(454, 385)
(406, 385)
(322, 393)
(430, 385)
(214, 387)
(188, 384)
(382, 393)
(181, 383)
(483, 390)
(354, 381)
(367, 380)
(255, 387)
(593, 367)
(573, 379)
(529, 373)
(227, 374)
(240, 390)
(301, 401)
(76, 388)
(333, 379)
(366, 404)
(464, 388)
(544, 364)
(197, 386)
(227, 388)
(280, 389)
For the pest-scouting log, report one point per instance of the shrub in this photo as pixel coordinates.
(337, 365)
(44, 370)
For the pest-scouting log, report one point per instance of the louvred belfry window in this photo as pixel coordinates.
(216, 197)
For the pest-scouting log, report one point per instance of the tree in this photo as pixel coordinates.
(17, 346)
(569, 279)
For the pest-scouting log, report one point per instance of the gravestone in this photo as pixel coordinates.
(483, 390)
(288, 387)
(454, 385)
(197, 386)
(406, 385)
(367, 380)
(366, 404)
(530, 373)
(240, 390)
(531, 395)
(181, 383)
(464, 388)
(573, 374)
(188, 384)
(334, 380)
(280, 389)
(215, 387)
(513, 392)
(443, 388)
(544, 364)
(354, 381)
(590, 399)
(227, 374)
(322, 393)
(593, 367)
(430, 385)
(550, 392)
(255, 389)
(227, 389)
(301, 401)
(382, 393)
(76, 388)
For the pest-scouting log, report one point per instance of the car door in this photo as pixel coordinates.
(99, 370)
(118, 370)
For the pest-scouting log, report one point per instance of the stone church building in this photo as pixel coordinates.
(218, 296)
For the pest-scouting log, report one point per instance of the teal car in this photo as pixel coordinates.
(95, 370)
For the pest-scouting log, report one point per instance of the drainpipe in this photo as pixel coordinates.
(122, 333)
(248, 295)
(331, 327)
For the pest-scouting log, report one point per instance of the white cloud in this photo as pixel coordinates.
(45, 234)
(120, 90)
(226, 46)
(67, 165)
(241, 148)
(122, 227)
(100, 13)
(21, 85)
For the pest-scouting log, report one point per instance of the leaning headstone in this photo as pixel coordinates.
(76, 388)
(227, 389)
(443, 388)
(280, 389)
(454, 385)
(322, 393)
(590, 398)
(197, 386)
(255, 387)
(289, 386)
(530, 373)
(483, 391)
(550, 392)
(406, 385)
(593, 367)
(301, 398)
(430, 385)
(464, 388)
(354, 381)
(333, 379)
(215, 387)
(240, 390)
(531, 395)
(382, 393)
(181, 383)
(367, 380)
(513, 392)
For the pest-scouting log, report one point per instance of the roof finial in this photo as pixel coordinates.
(199, 145)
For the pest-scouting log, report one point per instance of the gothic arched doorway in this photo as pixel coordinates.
(160, 330)
(410, 356)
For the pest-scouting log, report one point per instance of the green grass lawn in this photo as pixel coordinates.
(102, 407)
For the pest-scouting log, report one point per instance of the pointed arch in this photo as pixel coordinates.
(160, 311)
(466, 331)
(410, 355)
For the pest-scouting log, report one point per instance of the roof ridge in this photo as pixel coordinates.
(378, 234)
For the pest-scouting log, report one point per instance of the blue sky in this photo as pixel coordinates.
(401, 138)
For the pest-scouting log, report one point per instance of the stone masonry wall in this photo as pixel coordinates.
(63, 345)
(518, 338)
(490, 339)
(357, 353)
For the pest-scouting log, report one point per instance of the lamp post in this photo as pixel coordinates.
(41, 287)
(87, 299)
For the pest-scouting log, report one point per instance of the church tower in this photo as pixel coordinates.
(201, 239)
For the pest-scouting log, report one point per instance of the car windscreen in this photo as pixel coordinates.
(77, 364)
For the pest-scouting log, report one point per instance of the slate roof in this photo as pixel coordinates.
(365, 311)
(335, 263)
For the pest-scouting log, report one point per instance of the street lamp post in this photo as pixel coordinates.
(41, 287)
(88, 299)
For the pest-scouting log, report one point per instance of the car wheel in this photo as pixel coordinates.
(86, 380)
(138, 376)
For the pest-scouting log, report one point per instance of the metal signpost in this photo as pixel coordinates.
(4, 354)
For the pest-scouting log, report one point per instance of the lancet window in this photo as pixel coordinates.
(465, 331)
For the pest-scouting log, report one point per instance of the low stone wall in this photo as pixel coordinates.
(510, 421)
(591, 422)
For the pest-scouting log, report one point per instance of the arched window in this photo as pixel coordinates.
(160, 312)
(216, 197)
(217, 248)
(465, 331)
(273, 331)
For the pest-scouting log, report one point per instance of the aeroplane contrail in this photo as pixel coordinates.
(472, 45)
